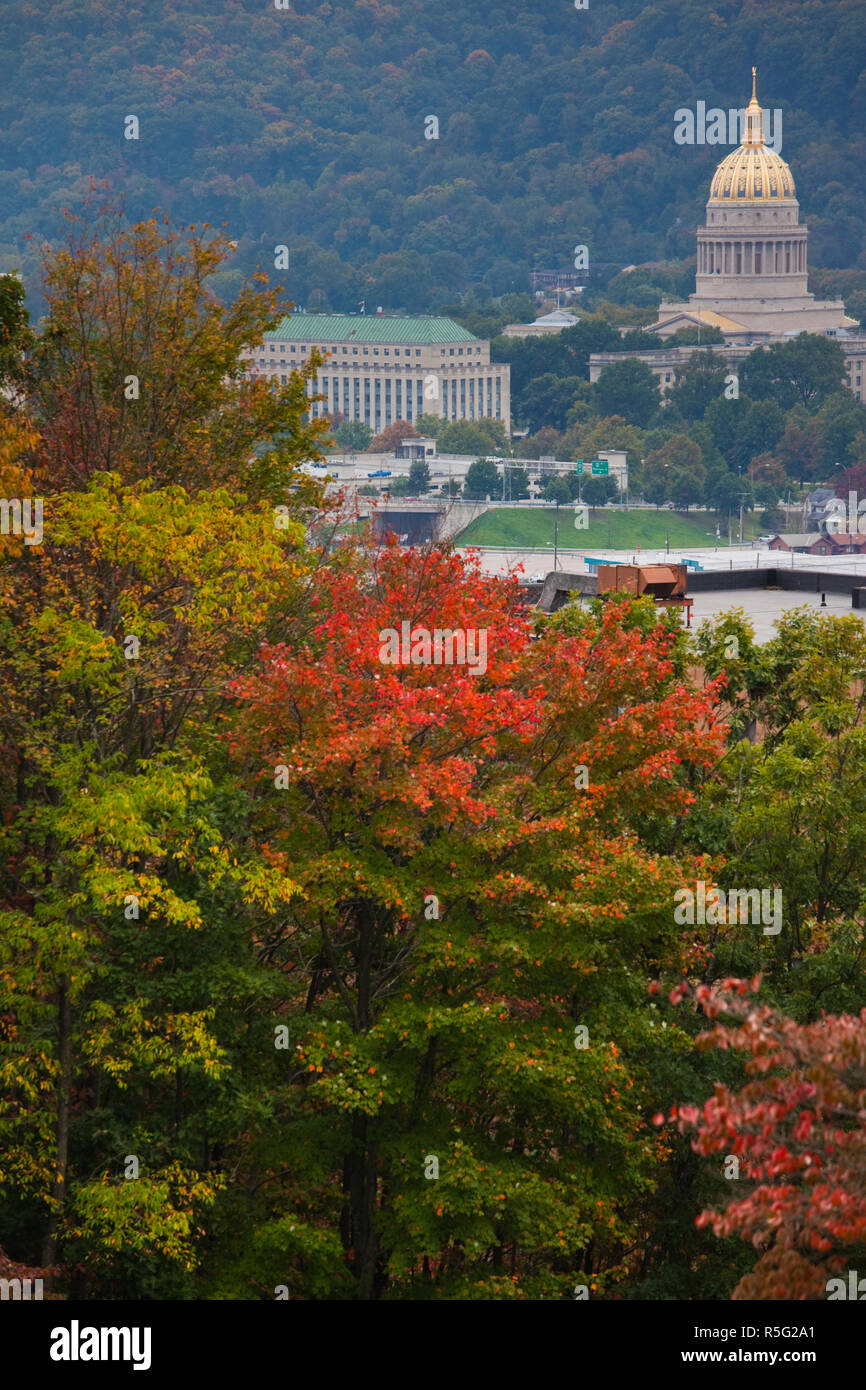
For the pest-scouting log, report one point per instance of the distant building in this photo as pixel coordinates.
(383, 368)
(838, 543)
(415, 447)
(548, 282)
(752, 277)
(798, 541)
(664, 362)
(553, 322)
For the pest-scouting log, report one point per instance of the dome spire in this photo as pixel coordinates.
(754, 116)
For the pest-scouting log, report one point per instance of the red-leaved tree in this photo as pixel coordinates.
(799, 1131)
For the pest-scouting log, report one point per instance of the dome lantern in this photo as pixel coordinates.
(752, 173)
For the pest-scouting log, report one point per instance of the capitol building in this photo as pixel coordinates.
(751, 280)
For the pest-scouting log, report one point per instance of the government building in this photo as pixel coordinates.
(751, 280)
(381, 368)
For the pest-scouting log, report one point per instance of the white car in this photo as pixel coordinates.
(537, 579)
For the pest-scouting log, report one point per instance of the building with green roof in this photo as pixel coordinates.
(381, 368)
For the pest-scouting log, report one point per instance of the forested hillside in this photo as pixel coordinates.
(306, 127)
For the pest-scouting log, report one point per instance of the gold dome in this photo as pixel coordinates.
(752, 173)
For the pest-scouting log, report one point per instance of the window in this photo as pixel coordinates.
(417, 352)
(387, 352)
(451, 352)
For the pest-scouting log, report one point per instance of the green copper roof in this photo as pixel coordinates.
(368, 328)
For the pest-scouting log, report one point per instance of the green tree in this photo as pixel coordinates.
(516, 482)
(629, 389)
(419, 476)
(483, 436)
(674, 472)
(804, 371)
(758, 431)
(409, 975)
(557, 490)
(548, 399)
(723, 489)
(483, 479)
(597, 491)
(353, 436)
(15, 334)
(698, 382)
(430, 426)
(172, 552)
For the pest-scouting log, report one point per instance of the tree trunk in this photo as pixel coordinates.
(64, 1087)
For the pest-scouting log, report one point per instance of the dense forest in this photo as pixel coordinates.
(305, 127)
(329, 977)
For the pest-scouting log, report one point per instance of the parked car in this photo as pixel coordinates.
(537, 578)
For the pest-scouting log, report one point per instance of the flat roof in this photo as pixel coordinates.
(369, 328)
(764, 607)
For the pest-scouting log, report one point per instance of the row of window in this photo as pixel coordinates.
(471, 404)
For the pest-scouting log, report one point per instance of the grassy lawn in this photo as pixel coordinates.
(521, 527)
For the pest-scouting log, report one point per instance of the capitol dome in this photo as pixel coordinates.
(752, 173)
(751, 276)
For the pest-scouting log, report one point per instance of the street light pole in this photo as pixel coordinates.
(556, 542)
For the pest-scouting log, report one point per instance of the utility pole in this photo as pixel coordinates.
(556, 540)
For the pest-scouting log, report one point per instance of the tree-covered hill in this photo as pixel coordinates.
(305, 127)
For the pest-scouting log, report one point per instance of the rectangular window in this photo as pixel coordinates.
(472, 400)
(419, 397)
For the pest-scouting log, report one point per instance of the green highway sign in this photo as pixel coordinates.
(599, 467)
(578, 467)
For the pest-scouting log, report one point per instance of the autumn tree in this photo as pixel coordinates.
(173, 542)
(794, 1139)
(472, 896)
